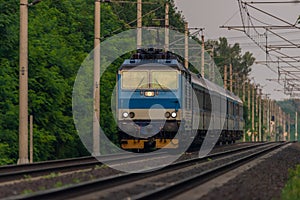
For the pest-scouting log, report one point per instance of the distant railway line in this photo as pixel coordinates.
(162, 183)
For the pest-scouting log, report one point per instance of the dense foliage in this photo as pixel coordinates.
(61, 35)
(291, 191)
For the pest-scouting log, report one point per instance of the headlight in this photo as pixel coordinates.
(167, 115)
(131, 114)
(125, 114)
(149, 93)
(174, 114)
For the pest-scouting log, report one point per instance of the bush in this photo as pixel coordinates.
(291, 190)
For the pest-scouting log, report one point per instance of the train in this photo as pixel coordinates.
(157, 96)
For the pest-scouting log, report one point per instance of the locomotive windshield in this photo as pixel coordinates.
(164, 80)
(135, 79)
(150, 79)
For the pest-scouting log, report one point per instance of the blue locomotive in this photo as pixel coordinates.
(156, 96)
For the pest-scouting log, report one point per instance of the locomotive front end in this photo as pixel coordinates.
(149, 103)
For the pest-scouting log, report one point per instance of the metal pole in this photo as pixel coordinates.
(167, 28)
(186, 45)
(268, 123)
(253, 102)
(276, 120)
(31, 140)
(259, 118)
(280, 122)
(225, 77)
(296, 127)
(202, 55)
(23, 81)
(96, 116)
(139, 24)
(236, 88)
(284, 126)
(212, 65)
(230, 75)
(256, 111)
(244, 88)
(289, 130)
(268, 117)
(271, 120)
(264, 116)
(249, 99)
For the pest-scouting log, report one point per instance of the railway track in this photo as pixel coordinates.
(181, 186)
(160, 182)
(15, 172)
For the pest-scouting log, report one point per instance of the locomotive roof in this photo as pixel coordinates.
(131, 63)
(153, 56)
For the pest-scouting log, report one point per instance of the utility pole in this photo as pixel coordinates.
(264, 116)
(249, 99)
(276, 111)
(139, 24)
(256, 111)
(23, 81)
(296, 127)
(167, 39)
(268, 117)
(280, 122)
(186, 45)
(284, 126)
(259, 118)
(289, 130)
(236, 89)
(244, 88)
(271, 120)
(96, 116)
(225, 77)
(202, 55)
(274, 120)
(212, 65)
(230, 75)
(253, 102)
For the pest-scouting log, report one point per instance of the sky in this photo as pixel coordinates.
(211, 14)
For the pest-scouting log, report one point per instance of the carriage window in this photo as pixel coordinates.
(207, 101)
(230, 108)
(164, 80)
(200, 99)
(241, 111)
(135, 80)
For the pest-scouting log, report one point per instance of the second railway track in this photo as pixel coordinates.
(15, 172)
(157, 183)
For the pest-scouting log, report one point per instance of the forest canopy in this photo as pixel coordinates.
(61, 35)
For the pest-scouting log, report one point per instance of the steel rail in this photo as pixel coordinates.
(169, 191)
(9, 173)
(113, 181)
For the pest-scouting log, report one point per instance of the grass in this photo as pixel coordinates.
(58, 184)
(52, 175)
(26, 191)
(291, 191)
(102, 166)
